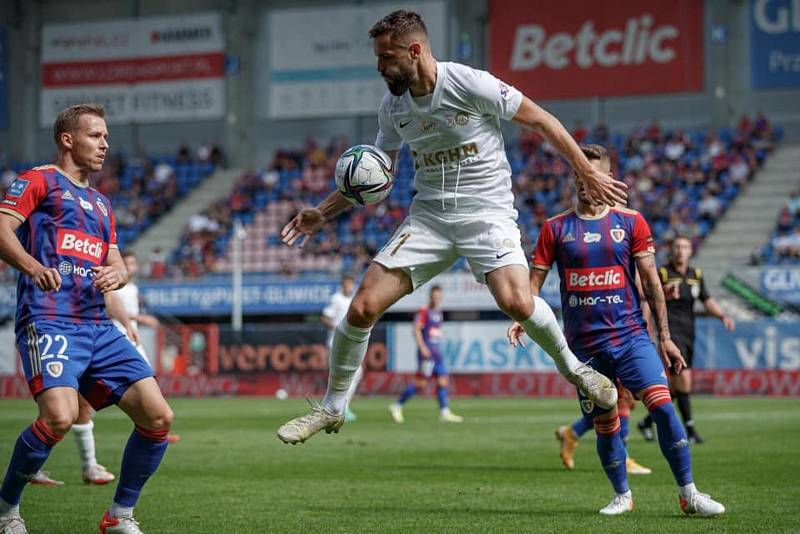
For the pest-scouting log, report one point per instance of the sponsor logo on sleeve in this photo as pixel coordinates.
(17, 188)
(80, 245)
(595, 278)
(8, 202)
(102, 207)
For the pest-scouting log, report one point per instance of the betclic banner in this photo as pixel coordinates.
(579, 49)
(144, 70)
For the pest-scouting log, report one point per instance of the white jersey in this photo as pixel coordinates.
(455, 139)
(129, 295)
(336, 310)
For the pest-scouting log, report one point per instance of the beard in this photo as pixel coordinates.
(400, 83)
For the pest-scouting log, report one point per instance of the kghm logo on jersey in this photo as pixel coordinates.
(80, 245)
(595, 278)
(87, 206)
(591, 237)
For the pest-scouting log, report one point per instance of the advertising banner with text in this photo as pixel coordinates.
(321, 58)
(602, 48)
(775, 43)
(144, 70)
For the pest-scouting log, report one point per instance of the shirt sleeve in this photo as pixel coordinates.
(112, 228)
(544, 255)
(388, 138)
(24, 195)
(703, 289)
(493, 97)
(329, 311)
(421, 317)
(643, 244)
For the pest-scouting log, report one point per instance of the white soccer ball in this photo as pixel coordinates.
(364, 174)
(281, 394)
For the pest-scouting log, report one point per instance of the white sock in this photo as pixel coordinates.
(688, 490)
(347, 352)
(351, 391)
(626, 494)
(120, 511)
(543, 328)
(7, 509)
(84, 437)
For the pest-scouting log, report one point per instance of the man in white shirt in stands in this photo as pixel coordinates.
(332, 315)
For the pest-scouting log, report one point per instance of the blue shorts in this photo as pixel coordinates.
(439, 368)
(95, 359)
(635, 364)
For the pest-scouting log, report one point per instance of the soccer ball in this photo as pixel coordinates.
(364, 174)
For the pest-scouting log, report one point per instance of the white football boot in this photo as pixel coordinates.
(119, 525)
(397, 412)
(12, 524)
(446, 416)
(621, 503)
(98, 475)
(598, 388)
(701, 504)
(301, 428)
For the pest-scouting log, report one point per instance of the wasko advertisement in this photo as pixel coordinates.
(602, 48)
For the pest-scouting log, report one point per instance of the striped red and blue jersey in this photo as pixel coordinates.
(596, 259)
(430, 321)
(70, 227)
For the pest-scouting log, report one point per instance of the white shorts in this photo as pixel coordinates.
(427, 244)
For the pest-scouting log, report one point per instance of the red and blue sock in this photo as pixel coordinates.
(409, 392)
(671, 434)
(441, 395)
(143, 454)
(582, 426)
(31, 451)
(611, 450)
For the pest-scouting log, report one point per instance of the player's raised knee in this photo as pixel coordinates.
(517, 304)
(60, 421)
(364, 311)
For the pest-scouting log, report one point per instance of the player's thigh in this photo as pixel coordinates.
(380, 288)
(639, 366)
(421, 248)
(145, 405)
(115, 366)
(511, 288)
(490, 241)
(54, 354)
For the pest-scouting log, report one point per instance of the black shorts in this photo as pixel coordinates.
(687, 350)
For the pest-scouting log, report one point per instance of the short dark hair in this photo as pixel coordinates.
(399, 23)
(682, 236)
(347, 276)
(595, 152)
(67, 121)
(436, 287)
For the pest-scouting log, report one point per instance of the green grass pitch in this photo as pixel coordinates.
(499, 471)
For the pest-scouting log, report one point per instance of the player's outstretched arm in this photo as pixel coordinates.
(602, 188)
(654, 293)
(311, 220)
(13, 253)
(715, 310)
(113, 275)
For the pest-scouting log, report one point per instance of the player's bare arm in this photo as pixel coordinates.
(601, 187)
(311, 220)
(113, 275)
(424, 351)
(116, 310)
(13, 253)
(714, 309)
(515, 332)
(654, 293)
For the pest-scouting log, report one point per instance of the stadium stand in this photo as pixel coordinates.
(682, 182)
(783, 246)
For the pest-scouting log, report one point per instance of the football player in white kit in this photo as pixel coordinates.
(448, 114)
(332, 315)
